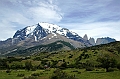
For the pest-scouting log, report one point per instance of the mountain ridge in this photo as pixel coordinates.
(45, 33)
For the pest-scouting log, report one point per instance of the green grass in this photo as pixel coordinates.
(93, 52)
(13, 74)
(100, 75)
(79, 73)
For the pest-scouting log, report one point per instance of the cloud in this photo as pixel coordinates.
(45, 12)
(90, 11)
(97, 18)
(6, 31)
(16, 14)
(96, 29)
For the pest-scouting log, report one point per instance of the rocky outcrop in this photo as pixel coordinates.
(92, 41)
(104, 40)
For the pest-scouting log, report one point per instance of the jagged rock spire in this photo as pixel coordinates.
(85, 37)
(92, 41)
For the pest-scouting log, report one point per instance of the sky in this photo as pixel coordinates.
(96, 18)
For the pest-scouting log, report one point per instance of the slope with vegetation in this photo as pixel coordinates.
(55, 46)
(96, 62)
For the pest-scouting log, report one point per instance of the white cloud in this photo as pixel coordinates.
(96, 29)
(44, 14)
(18, 14)
(6, 31)
(78, 14)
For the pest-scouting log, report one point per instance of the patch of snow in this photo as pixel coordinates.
(74, 33)
(43, 38)
(18, 36)
(50, 27)
(49, 38)
(35, 38)
(77, 36)
(30, 29)
(54, 34)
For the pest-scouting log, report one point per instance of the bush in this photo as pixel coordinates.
(79, 72)
(33, 68)
(75, 71)
(118, 66)
(59, 74)
(35, 74)
(89, 69)
(20, 75)
(112, 69)
(8, 71)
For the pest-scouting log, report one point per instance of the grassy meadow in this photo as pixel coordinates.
(45, 74)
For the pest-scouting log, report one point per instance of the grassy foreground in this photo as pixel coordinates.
(45, 74)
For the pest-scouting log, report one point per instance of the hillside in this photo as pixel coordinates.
(55, 46)
(77, 63)
(83, 55)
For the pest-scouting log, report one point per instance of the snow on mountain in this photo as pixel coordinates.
(30, 29)
(41, 30)
(38, 29)
(50, 27)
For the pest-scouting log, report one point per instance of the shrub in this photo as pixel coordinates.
(79, 72)
(20, 75)
(89, 69)
(8, 71)
(59, 74)
(112, 69)
(34, 68)
(118, 66)
(75, 71)
(35, 74)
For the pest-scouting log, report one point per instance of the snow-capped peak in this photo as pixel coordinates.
(42, 29)
(50, 27)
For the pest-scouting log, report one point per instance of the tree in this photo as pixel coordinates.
(107, 61)
(28, 65)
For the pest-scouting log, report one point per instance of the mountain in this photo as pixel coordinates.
(41, 30)
(41, 34)
(44, 34)
(99, 40)
(92, 41)
(104, 40)
(36, 34)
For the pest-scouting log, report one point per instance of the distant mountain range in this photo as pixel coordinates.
(45, 34)
(99, 40)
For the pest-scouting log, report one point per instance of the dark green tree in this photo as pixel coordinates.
(28, 65)
(107, 61)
